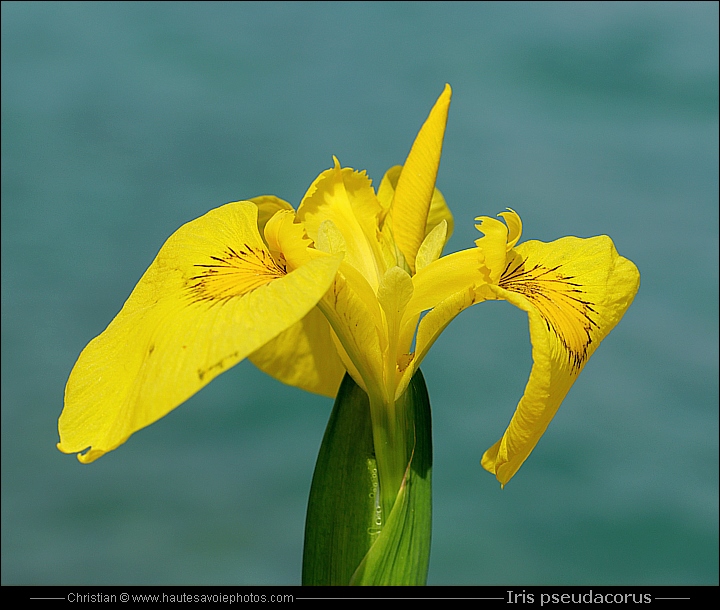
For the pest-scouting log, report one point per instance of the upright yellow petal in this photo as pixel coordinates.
(438, 211)
(493, 246)
(268, 206)
(346, 198)
(416, 184)
(575, 291)
(432, 246)
(213, 295)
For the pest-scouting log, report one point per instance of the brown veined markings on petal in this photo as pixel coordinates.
(234, 274)
(562, 303)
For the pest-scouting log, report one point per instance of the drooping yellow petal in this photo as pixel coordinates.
(575, 291)
(213, 295)
(416, 183)
(303, 356)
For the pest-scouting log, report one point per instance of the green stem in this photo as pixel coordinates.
(389, 428)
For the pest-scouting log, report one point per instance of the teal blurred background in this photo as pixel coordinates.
(123, 121)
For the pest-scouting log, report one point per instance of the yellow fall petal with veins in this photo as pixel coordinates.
(213, 295)
(575, 291)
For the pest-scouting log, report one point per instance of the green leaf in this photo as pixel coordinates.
(346, 541)
(339, 527)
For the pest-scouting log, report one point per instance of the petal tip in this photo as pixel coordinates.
(90, 456)
(84, 458)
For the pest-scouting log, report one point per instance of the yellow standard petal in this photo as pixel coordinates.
(346, 198)
(575, 291)
(416, 184)
(213, 295)
(438, 211)
(268, 206)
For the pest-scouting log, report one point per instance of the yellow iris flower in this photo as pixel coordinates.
(341, 285)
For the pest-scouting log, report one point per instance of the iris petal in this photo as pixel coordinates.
(416, 183)
(213, 295)
(346, 198)
(438, 211)
(303, 356)
(575, 291)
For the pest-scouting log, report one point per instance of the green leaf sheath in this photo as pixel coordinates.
(347, 540)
